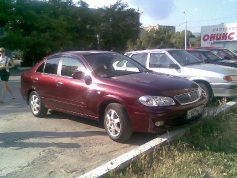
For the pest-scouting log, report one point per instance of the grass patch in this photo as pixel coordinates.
(208, 149)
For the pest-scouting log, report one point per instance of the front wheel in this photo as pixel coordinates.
(208, 92)
(36, 105)
(117, 123)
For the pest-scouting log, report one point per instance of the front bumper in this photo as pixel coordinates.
(224, 89)
(145, 119)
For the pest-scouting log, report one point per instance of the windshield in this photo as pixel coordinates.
(205, 56)
(183, 57)
(113, 64)
(233, 55)
(211, 55)
(224, 53)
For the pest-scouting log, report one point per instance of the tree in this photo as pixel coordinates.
(178, 39)
(37, 28)
(42, 27)
(120, 25)
(162, 38)
(156, 39)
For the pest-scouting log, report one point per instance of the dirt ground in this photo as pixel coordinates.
(57, 146)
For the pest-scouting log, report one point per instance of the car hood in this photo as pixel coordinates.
(153, 81)
(225, 70)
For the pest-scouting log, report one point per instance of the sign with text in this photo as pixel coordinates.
(218, 33)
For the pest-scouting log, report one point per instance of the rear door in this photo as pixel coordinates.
(45, 81)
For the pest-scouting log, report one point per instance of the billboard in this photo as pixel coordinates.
(218, 33)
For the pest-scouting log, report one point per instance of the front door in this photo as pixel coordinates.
(73, 93)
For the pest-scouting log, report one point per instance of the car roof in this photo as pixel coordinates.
(208, 47)
(82, 52)
(85, 52)
(192, 49)
(154, 50)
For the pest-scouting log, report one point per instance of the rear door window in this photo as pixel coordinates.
(141, 58)
(160, 60)
(51, 66)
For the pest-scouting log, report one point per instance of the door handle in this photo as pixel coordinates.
(36, 79)
(59, 84)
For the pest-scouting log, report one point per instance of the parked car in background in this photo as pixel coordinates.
(209, 57)
(92, 84)
(216, 80)
(221, 52)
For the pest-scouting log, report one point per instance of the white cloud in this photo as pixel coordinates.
(155, 9)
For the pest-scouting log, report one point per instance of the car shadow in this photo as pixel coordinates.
(33, 139)
(136, 138)
(59, 115)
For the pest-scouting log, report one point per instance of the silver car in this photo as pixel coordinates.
(215, 80)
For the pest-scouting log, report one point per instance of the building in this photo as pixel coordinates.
(158, 27)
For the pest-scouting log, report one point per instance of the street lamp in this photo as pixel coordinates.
(185, 33)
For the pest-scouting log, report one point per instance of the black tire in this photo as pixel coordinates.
(117, 123)
(208, 92)
(36, 105)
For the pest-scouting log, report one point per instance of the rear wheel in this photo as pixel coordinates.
(36, 105)
(117, 123)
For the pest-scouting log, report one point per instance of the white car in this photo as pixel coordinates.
(124, 66)
(215, 80)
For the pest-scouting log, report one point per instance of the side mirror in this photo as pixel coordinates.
(175, 66)
(78, 75)
(88, 79)
(81, 75)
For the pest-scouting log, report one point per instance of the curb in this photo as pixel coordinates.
(124, 160)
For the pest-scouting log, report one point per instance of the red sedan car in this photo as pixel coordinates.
(95, 85)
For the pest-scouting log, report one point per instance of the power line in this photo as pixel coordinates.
(214, 19)
(179, 24)
(204, 20)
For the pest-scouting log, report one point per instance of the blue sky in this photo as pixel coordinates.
(171, 12)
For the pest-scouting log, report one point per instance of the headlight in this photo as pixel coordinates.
(228, 78)
(156, 101)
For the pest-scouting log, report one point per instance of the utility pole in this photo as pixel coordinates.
(185, 32)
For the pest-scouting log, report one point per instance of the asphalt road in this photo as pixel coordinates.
(59, 145)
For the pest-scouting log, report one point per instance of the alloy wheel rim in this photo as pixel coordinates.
(35, 104)
(113, 123)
